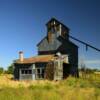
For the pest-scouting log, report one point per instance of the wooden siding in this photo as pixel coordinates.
(49, 37)
(63, 46)
(58, 69)
(17, 71)
(33, 67)
(71, 50)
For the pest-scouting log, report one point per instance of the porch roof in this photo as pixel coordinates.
(36, 59)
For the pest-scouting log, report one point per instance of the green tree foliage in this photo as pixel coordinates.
(1, 70)
(10, 69)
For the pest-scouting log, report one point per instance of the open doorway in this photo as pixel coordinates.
(66, 70)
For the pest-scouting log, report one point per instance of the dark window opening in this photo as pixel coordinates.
(22, 72)
(40, 73)
(25, 71)
(30, 71)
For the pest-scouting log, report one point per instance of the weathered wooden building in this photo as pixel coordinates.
(55, 52)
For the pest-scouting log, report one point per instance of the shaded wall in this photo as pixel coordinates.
(17, 68)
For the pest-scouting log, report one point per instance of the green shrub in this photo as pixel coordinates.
(1, 70)
(10, 69)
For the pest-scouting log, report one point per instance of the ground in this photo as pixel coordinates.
(69, 89)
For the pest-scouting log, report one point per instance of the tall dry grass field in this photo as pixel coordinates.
(69, 89)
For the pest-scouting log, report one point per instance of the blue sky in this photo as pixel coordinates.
(22, 26)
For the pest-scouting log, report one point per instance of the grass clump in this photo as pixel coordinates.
(46, 86)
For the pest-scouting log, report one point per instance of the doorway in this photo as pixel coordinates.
(66, 70)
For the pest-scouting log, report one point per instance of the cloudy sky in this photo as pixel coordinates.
(22, 26)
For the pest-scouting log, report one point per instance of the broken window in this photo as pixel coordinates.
(22, 72)
(26, 71)
(40, 73)
(29, 71)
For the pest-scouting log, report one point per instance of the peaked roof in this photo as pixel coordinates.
(41, 40)
(54, 19)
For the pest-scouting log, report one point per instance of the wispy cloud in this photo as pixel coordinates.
(92, 61)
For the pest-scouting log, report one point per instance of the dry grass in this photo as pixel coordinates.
(7, 81)
(69, 89)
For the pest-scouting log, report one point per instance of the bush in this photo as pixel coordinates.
(1, 70)
(10, 69)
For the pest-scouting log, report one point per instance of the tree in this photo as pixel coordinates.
(10, 69)
(1, 70)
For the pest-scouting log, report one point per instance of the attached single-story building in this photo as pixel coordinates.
(57, 56)
(38, 67)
